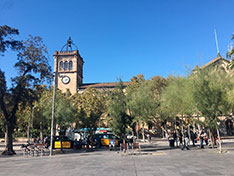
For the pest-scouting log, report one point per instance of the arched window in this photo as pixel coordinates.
(61, 65)
(70, 65)
(65, 65)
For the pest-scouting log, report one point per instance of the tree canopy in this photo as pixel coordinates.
(33, 69)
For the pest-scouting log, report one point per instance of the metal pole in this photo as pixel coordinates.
(52, 119)
(53, 107)
(32, 124)
(216, 40)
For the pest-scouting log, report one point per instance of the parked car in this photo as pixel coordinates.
(104, 139)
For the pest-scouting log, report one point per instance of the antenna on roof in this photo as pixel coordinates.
(216, 40)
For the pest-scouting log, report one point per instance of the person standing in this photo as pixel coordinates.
(186, 140)
(180, 135)
(201, 137)
(149, 138)
(171, 139)
(193, 136)
(205, 138)
(112, 144)
(175, 137)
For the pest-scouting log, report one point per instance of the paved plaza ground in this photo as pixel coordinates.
(156, 159)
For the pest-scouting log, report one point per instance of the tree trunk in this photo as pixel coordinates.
(143, 131)
(211, 138)
(28, 131)
(137, 130)
(189, 133)
(165, 131)
(41, 132)
(9, 142)
(5, 142)
(220, 142)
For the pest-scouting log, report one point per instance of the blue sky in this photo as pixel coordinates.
(123, 38)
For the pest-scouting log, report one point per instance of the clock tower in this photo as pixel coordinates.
(68, 66)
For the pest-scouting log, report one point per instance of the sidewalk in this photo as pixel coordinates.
(160, 144)
(156, 144)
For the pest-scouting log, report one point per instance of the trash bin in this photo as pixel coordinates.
(171, 143)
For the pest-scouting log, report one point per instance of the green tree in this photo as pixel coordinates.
(33, 69)
(134, 85)
(210, 95)
(6, 39)
(142, 105)
(90, 106)
(177, 100)
(177, 97)
(155, 88)
(65, 112)
(117, 111)
(27, 115)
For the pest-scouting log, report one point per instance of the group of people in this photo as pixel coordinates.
(177, 138)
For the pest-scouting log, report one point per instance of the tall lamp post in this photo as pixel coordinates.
(53, 110)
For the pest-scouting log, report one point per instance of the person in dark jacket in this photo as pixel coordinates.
(175, 137)
(193, 137)
(201, 137)
(180, 135)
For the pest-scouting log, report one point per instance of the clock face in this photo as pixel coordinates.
(65, 80)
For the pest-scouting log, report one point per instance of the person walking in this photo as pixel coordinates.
(193, 137)
(171, 139)
(180, 135)
(175, 137)
(186, 140)
(201, 137)
(112, 144)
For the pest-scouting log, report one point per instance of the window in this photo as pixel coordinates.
(70, 65)
(65, 65)
(61, 65)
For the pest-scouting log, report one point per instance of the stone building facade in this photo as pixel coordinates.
(69, 68)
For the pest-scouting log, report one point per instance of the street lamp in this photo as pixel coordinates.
(56, 75)
(52, 119)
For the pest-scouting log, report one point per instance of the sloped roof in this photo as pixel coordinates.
(218, 58)
(102, 85)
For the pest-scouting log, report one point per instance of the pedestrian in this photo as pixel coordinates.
(180, 138)
(186, 140)
(148, 137)
(171, 139)
(175, 137)
(205, 137)
(131, 141)
(201, 137)
(193, 137)
(112, 144)
(45, 139)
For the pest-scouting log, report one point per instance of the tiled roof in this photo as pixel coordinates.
(213, 61)
(102, 85)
